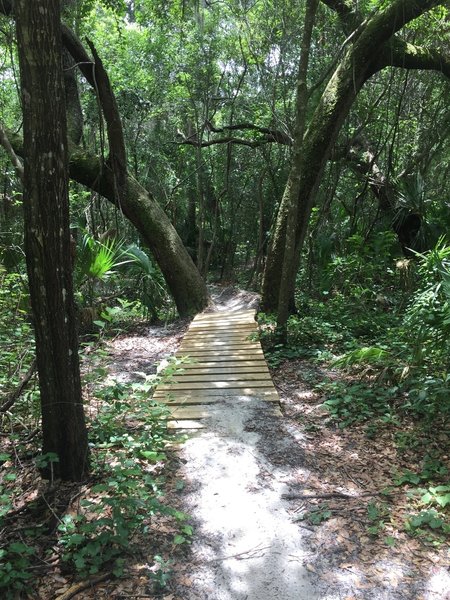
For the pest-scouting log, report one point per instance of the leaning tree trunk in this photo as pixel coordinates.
(182, 276)
(47, 239)
(112, 181)
(361, 60)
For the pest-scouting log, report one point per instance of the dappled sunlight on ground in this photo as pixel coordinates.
(362, 547)
(246, 544)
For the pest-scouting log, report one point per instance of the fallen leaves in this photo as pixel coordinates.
(351, 470)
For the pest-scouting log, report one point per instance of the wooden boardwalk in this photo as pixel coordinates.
(221, 357)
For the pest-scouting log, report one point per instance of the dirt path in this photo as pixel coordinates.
(249, 543)
(246, 545)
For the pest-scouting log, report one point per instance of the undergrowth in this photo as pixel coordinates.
(386, 351)
(100, 525)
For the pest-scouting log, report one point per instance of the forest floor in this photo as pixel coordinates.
(286, 508)
(290, 508)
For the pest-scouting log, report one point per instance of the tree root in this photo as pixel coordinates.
(83, 585)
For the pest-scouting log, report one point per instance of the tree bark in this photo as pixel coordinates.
(112, 181)
(367, 54)
(182, 276)
(288, 272)
(47, 237)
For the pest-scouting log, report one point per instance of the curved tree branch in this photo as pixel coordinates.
(226, 140)
(409, 56)
(269, 136)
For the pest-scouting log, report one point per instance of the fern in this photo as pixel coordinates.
(370, 355)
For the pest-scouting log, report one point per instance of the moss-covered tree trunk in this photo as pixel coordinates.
(291, 193)
(47, 238)
(360, 61)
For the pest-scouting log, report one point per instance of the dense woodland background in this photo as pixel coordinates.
(295, 148)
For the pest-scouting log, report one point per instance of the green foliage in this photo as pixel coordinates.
(123, 504)
(427, 319)
(103, 267)
(128, 436)
(359, 402)
(378, 514)
(432, 470)
(96, 261)
(15, 330)
(439, 495)
(367, 356)
(161, 572)
(15, 562)
(15, 557)
(426, 519)
(429, 397)
(317, 515)
(150, 282)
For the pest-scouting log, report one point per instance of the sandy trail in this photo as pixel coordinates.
(246, 544)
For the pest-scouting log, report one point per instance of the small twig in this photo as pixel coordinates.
(239, 556)
(83, 585)
(360, 483)
(313, 496)
(332, 495)
(15, 395)
(340, 495)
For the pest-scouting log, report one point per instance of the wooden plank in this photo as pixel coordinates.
(202, 377)
(262, 392)
(216, 385)
(220, 353)
(196, 412)
(241, 364)
(231, 339)
(187, 424)
(220, 343)
(246, 313)
(187, 400)
(225, 335)
(215, 370)
(176, 400)
(189, 412)
(221, 322)
(238, 325)
(219, 346)
(218, 340)
(220, 358)
(221, 325)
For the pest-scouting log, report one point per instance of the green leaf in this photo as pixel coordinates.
(179, 539)
(443, 500)
(426, 498)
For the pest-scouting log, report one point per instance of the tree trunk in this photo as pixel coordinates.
(289, 267)
(183, 278)
(360, 61)
(47, 238)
